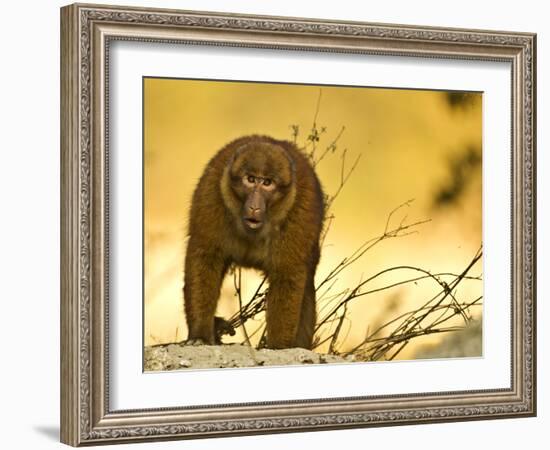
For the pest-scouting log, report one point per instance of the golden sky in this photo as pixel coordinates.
(413, 144)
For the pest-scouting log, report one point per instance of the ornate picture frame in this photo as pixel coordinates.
(87, 32)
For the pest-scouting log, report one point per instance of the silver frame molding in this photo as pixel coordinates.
(86, 32)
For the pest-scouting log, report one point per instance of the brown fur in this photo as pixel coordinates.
(285, 246)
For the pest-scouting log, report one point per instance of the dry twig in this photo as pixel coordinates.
(391, 337)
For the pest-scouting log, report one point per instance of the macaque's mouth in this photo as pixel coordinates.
(253, 223)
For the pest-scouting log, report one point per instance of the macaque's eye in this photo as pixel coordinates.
(249, 181)
(268, 184)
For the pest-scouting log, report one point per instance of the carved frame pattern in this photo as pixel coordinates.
(85, 416)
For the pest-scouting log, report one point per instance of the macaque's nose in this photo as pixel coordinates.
(255, 206)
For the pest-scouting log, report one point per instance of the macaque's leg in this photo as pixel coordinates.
(308, 318)
(204, 274)
(284, 307)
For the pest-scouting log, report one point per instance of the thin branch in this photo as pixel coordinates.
(343, 180)
(238, 285)
(332, 346)
(331, 148)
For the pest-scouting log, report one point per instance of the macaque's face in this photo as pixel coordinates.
(261, 176)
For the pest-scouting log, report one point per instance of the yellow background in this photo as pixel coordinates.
(407, 140)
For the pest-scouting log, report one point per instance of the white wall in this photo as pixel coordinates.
(29, 224)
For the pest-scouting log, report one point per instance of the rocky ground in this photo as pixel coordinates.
(180, 356)
(466, 343)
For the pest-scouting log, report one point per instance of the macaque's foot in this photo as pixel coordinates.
(195, 342)
(221, 328)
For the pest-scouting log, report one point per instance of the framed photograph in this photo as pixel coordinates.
(275, 224)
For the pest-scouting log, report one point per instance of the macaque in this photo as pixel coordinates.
(258, 204)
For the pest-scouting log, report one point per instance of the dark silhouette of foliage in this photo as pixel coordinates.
(462, 169)
(457, 100)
